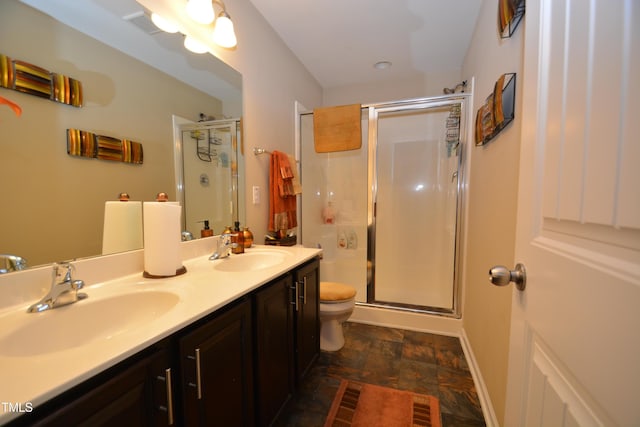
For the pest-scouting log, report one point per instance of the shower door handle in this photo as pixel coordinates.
(502, 276)
(454, 176)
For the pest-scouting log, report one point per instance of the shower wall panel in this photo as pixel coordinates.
(334, 209)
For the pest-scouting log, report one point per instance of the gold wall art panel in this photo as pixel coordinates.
(34, 80)
(82, 143)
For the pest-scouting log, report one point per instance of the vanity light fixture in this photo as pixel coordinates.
(194, 45)
(202, 13)
(166, 25)
(223, 33)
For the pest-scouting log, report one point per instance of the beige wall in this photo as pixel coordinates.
(273, 79)
(492, 192)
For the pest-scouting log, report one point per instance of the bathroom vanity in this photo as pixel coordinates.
(227, 342)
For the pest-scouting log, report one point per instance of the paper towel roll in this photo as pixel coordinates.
(122, 230)
(162, 255)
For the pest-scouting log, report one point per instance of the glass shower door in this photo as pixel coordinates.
(414, 172)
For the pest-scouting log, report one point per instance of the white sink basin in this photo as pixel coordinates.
(85, 321)
(251, 261)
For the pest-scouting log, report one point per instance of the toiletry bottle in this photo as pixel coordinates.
(352, 240)
(342, 239)
(328, 214)
(238, 238)
(248, 237)
(206, 231)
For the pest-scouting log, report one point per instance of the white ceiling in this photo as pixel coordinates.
(338, 41)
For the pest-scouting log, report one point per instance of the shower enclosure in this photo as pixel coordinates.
(209, 170)
(388, 216)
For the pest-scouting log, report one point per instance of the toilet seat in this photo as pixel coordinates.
(337, 302)
(334, 292)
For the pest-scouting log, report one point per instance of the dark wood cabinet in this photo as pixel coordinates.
(129, 394)
(217, 370)
(274, 348)
(287, 337)
(238, 366)
(307, 318)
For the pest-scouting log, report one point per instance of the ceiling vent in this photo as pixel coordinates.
(142, 20)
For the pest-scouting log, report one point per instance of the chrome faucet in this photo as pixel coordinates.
(224, 247)
(62, 292)
(10, 263)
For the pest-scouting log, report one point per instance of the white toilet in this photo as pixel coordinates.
(337, 301)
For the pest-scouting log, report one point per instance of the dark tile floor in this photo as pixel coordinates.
(407, 360)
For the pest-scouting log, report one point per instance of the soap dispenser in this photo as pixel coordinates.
(206, 231)
(237, 238)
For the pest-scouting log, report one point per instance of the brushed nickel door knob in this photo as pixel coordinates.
(502, 276)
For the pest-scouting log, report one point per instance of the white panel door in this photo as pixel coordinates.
(575, 333)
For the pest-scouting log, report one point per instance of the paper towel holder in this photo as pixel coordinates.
(164, 197)
(179, 272)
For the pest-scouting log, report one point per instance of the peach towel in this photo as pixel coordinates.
(337, 128)
(282, 196)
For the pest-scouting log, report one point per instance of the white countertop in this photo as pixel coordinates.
(26, 377)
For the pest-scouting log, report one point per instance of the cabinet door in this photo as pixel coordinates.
(274, 348)
(307, 316)
(217, 370)
(121, 396)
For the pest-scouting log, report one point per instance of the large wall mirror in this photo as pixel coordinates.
(138, 84)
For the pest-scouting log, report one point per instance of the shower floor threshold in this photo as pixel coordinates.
(436, 311)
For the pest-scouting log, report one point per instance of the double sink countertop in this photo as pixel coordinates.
(45, 354)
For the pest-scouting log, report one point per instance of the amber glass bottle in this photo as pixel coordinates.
(238, 239)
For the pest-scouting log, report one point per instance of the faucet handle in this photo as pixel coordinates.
(63, 269)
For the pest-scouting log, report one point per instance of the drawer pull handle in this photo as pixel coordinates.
(297, 296)
(198, 379)
(304, 290)
(169, 397)
(169, 388)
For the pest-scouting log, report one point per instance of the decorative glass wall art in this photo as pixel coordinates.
(82, 143)
(510, 13)
(28, 78)
(498, 109)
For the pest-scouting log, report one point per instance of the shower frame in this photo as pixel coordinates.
(373, 111)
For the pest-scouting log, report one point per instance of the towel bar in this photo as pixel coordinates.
(257, 150)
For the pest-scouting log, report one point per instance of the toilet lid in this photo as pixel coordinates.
(334, 291)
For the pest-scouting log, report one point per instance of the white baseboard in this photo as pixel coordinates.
(481, 388)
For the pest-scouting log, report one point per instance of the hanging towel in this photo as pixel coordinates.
(337, 128)
(297, 186)
(282, 197)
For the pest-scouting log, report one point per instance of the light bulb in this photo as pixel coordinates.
(201, 11)
(194, 45)
(164, 24)
(223, 34)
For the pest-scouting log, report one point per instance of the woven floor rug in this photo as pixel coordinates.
(368, 405)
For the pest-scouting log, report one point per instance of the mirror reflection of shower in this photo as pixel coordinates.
(210, 158)
(395, 229)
